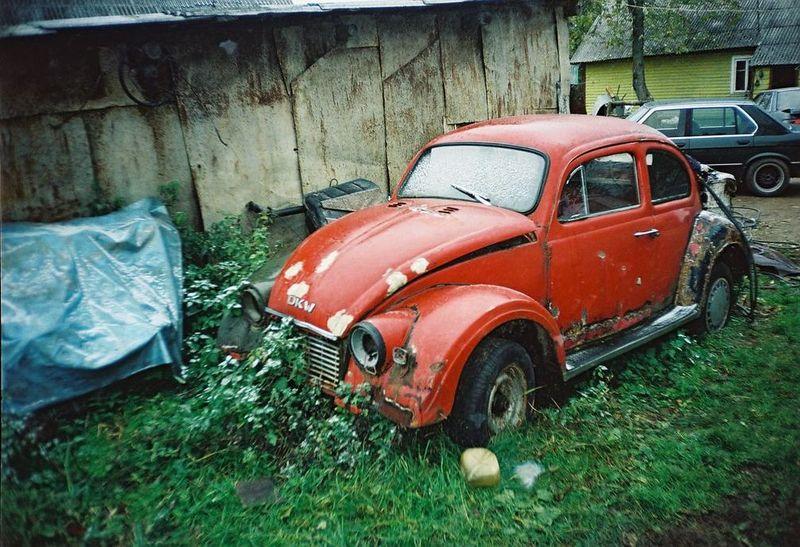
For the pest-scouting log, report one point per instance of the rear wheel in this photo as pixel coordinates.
(718, 301)
(494, 393)
(767, 177)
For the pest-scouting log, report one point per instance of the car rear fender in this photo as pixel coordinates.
(444, 324)
(770, 155)
(713, 237)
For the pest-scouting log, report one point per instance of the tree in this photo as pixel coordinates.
(666, 25)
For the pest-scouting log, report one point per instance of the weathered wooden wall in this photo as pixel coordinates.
(264, 110)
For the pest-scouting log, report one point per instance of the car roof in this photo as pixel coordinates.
(688, 103)
(557, 135)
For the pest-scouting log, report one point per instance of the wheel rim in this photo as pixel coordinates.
(768, 177)
(508, 399)
(718, 305)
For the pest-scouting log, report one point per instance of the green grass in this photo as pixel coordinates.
(685, 441)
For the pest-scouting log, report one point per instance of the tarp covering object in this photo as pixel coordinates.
(88, 302)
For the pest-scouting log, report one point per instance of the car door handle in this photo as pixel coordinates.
(652, 232)
(680, 144)
(743, 141)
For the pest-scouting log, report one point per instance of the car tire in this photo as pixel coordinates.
(494, 393)
(718, 301)
(767, 177)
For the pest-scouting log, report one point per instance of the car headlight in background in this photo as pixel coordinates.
(254, 299)
(368, 347)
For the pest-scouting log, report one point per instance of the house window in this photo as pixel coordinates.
(740, 74)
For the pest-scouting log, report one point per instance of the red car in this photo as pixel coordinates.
(514, 254)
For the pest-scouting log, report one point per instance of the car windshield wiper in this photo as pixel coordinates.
(473, 194)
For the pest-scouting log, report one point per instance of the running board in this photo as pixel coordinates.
(585, 359)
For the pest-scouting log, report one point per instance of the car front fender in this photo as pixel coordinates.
(445, 324)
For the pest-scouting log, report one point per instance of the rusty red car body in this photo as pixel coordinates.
(436, 277)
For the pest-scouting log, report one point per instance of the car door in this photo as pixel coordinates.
(601, 245)
(720, 136)
(675, 203)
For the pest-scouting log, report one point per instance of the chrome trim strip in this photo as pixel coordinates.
(302, 324)
(678, 316)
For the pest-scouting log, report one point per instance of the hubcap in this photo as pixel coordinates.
(508, 399)
(719, 303)
(768, 176)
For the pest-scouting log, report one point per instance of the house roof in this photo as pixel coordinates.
(772, 27)
(28, 17)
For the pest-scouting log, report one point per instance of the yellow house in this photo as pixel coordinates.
(758, 48)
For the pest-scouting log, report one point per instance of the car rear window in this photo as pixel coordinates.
(669, 179)
(601, 185)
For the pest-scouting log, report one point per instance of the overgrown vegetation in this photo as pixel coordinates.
(684, 441)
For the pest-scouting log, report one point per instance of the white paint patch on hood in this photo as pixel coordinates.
(419, 266)
(293, 270)
(339, 322)
(395, 280)
(298, 289)
(327, 261)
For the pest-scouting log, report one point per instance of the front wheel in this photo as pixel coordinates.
(767, 177)
(494, 393)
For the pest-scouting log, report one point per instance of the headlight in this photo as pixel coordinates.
(254, 299)
(367, 346)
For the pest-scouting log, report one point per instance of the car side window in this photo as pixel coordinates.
(719, 121)
(669, 179)
(599, 186)
(572, 204)
(670, 122)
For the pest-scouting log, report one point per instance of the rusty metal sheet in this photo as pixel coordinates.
(562, 36)
(462, 68)
(299, 46)
(339, 119)
(135, 150)
(521, 59)
(237, 122)
(34, 79)
(403, 37)
(46, 168)
(414, 102)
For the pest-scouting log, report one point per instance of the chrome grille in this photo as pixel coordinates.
(324, 360)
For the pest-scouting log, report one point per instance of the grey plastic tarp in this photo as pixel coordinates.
(88, 302)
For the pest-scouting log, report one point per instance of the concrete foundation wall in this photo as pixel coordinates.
(263, 110)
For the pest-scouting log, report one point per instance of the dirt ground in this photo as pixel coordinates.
(779, 217)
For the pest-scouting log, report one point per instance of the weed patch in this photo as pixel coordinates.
(687, 439)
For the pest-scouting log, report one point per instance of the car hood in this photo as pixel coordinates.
(347, 268)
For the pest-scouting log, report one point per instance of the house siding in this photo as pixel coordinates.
(668, 76)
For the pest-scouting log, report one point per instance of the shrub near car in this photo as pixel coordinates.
(737, 137)
(513, 255)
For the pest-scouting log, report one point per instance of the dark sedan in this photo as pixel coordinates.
(736, 137)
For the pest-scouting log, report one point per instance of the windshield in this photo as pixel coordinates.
(506, 177)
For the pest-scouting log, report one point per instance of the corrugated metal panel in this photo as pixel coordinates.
(21, 17)
(770, 22)
(780, 40)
